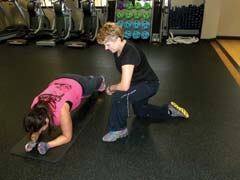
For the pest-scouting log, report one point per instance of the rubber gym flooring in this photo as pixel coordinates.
(205, 147)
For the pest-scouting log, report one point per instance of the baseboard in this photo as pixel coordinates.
(234, 63)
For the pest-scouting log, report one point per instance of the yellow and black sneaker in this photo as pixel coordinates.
(177, 111)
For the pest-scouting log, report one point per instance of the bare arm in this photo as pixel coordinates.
(35, 135)
(124, 84)
(66, 128)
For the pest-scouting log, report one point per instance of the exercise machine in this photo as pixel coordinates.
(156, 21)
(39, 22)
(90, 23)
(3, 21)
(16, 23)
(39, 25)
(63, 24)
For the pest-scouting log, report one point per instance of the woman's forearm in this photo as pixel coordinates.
(34, 136)
(119, 87)
(60, 140)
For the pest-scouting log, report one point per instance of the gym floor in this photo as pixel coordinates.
(206, 146)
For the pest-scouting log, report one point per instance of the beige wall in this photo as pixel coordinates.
(229, 23)
(221, 18)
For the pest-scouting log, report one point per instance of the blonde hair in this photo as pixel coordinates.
(109, 31)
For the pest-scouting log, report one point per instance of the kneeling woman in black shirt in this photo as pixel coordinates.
(138, 83)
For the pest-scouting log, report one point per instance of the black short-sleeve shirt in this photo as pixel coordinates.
(135, 56)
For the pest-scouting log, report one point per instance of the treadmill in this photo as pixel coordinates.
(90, 24)
(39, 25)
(16, 24)
(63, 24)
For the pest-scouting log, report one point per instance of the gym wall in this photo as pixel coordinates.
(229, 24)
(221, 19)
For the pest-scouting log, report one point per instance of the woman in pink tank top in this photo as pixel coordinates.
(53, 107)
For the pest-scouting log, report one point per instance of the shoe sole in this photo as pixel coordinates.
(119, 137)
(182, 110)
(104, 85)
(123, 135)
(29, 148)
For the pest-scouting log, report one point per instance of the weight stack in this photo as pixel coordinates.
(186, 19)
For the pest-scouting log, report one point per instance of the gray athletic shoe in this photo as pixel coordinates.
(30, 145)
(115, 135)
(103, 85)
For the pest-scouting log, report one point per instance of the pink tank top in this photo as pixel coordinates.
(60, 91)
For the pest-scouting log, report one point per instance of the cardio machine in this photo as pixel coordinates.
(63, 24)
(3, 20)
(90, 24)
(15, 20)
(39, 25)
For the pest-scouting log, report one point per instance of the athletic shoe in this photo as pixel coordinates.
(103, 85)
(30, 145)
(114, 135)
(177, 111)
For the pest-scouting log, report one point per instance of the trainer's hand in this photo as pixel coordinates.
(109, 91)
(30, 145)
(43, 148)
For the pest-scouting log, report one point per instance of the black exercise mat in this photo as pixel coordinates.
(80, 117)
